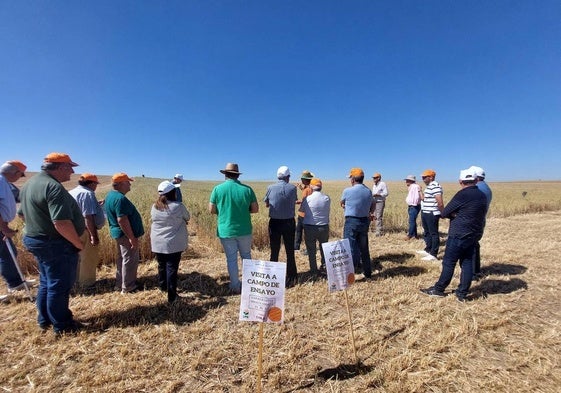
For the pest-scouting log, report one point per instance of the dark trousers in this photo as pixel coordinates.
(316, 234)
(8, 268)
(457, 250)
(299, 231)
(168, 264)
(283, 228)
(58, 261)
(430, 228)
(356, 230)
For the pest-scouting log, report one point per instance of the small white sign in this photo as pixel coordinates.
(339, 263)
(263, 285)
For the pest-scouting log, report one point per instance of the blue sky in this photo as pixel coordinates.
(159, 87)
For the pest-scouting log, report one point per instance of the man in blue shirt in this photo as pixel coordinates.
(466, 212)
(281, 200)
(359, 210)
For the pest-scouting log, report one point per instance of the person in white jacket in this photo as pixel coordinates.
(168, 236)
(379, 194)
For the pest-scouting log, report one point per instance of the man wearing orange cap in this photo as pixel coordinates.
(431, 207)
(10, 172)
(92, 211)
(53, 226)
(316, 207)
(125, 226)
(359, 209)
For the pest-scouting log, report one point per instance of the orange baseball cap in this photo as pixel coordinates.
(356, 172)
(60, 157)
(18, 164)
(89, 177)
(316, 182)
(428, 172)
(120, 177)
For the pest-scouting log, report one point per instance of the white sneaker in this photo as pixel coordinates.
(429, 257)
(422, 253)
(3, 298)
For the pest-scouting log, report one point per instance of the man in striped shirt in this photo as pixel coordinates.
(431, 206)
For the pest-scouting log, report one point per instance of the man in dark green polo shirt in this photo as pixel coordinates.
(53, 226)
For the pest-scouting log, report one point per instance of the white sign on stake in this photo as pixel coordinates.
(339, 263)
(263, 285)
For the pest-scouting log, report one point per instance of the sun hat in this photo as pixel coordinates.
(467, 174)
(89, 177)
(411, 178)
(479, 172)
(377, 174)
(120, 177)
(356, 172)
(178, 176)
(315, 182)
(231, 168)
(61, 158)
(428, 172)
(306, 174)
(165, 187)
(283, 172)
(18, 164)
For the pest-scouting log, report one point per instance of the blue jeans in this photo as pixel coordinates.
(457, 250)
(315, 234)
(232, 246)
(299, 231)
(58, 260)
(430, 229)
(413, 212)
(168, 264)
(356, 230)
(7, 265)
(285, 229)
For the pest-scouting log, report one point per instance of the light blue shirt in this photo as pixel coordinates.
(89, 205)
(281, 198)
(358, 200)
(7, 201)
(484, 188)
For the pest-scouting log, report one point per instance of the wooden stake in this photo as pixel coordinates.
(351, 326)
(260, 358)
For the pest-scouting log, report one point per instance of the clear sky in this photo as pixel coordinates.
(160, 87)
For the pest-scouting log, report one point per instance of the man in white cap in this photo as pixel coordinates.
(177, 179)
(466, 212)
(484, 187)
(281, 200)
(413, 200)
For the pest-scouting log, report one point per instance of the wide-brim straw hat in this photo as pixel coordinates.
(231, 168)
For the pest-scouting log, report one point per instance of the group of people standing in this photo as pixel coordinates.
(61, 227)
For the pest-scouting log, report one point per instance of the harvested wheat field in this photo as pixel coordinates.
(505, 340)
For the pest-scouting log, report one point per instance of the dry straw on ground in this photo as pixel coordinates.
(505, 340)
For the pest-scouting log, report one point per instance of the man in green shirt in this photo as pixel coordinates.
(125, 226)
(53, 226)
(233, 202)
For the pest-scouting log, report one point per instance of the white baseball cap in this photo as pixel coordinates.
(283, 172)
(479, 172)
(178, 176)
(165, 187)
(467, 174)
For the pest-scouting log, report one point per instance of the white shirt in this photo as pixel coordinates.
(316, 207)
(381, 189)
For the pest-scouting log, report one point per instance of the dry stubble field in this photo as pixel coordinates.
(505, 340)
